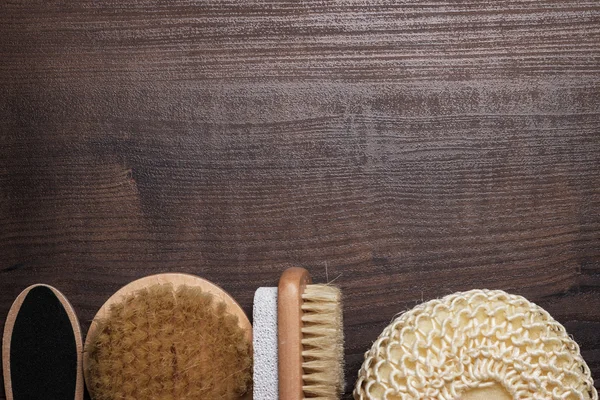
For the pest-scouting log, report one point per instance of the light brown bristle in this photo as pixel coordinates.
(165, 343)
(322, 342)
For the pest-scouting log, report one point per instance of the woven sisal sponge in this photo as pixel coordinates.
(469, 342)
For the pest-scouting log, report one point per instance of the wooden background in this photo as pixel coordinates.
(407, 149)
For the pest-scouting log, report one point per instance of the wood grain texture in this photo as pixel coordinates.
(408, 149)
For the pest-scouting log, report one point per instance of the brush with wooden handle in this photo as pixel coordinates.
(300, 325)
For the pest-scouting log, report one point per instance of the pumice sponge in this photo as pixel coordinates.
(480, 344)
(166, 343)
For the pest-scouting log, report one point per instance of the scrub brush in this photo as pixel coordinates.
(298, 340)
(170, 337)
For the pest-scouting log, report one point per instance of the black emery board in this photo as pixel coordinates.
(42, 347)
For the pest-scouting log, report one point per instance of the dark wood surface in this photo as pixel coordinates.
(406, 149)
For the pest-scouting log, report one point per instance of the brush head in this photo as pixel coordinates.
(310, 338)
(322, 342)
(165, 343)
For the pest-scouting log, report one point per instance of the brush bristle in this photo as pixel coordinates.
(322, 342)
(161, 343)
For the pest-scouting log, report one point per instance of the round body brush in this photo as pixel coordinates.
(476, 345)
(298, 340)
(169, 336)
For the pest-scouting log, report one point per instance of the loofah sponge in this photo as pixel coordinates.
(161, 343)
(480, 344)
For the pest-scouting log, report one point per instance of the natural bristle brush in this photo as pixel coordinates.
(298, 340)
(169, 336)
(310, 338)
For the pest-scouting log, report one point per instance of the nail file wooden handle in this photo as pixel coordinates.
(289, 323)
(42, 347)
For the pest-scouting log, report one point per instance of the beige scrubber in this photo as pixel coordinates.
(480, 344)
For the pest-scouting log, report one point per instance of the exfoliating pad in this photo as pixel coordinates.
(41, 347)
(481, 344)
(169, 336)
(265, 344)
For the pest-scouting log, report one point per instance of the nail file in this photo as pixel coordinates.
(42, 347)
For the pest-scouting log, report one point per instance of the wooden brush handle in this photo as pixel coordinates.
(289, 322)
